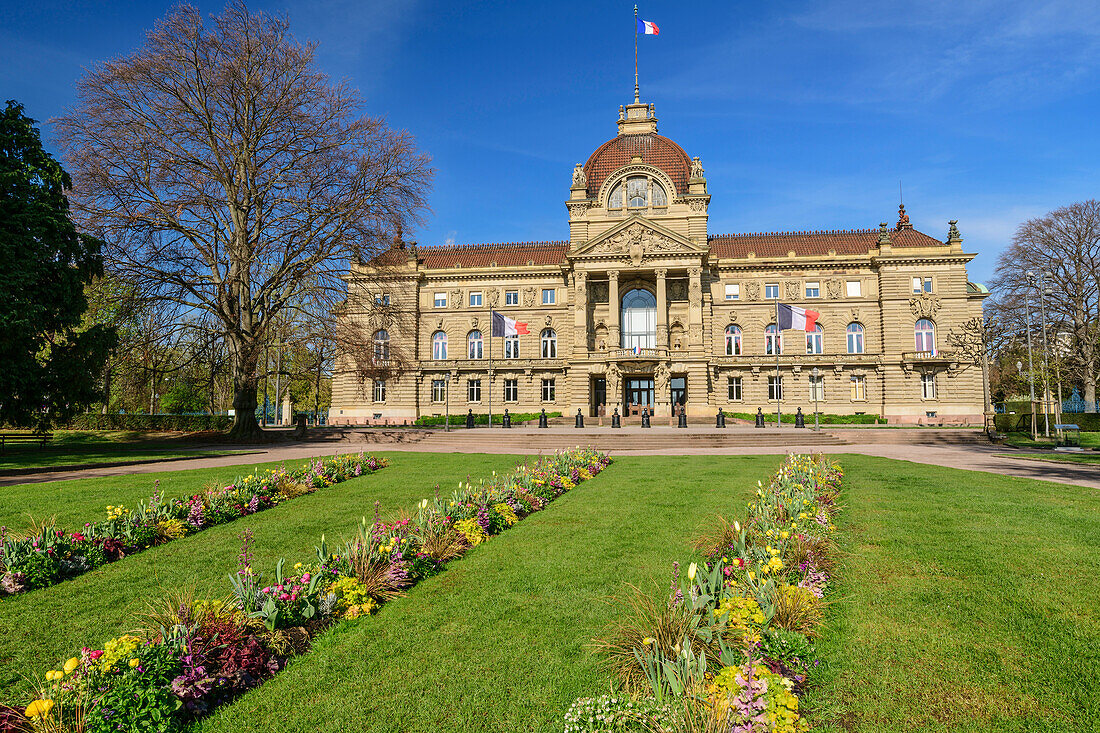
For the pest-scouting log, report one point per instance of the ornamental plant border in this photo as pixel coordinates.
(205, 653)
(51, 555)
(730, 648)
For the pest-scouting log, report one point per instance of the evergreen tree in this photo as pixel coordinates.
(50, 368)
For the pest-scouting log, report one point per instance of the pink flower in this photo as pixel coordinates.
(284, 597)
(305, 577)
(95, 655)
(266, 590)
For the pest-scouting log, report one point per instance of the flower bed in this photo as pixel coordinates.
(731, 646)
(49, 555)
(194, 655)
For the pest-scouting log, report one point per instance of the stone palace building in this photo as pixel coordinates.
(643, 307)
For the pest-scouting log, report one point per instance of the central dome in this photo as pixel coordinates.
(655, 150)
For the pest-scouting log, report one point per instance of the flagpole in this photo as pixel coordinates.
(635, 54)
(490, 368)
(778, 384)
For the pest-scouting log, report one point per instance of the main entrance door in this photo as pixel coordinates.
(599, 396)
(639, 394)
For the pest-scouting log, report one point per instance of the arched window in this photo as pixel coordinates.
(381, 345)
(925, 336)
(855, 338)
(475, 344)
(733, 340)
(639, 320)
(638, 192)
(773, 340)
(439, 345)
(815, 340)
(549, 344)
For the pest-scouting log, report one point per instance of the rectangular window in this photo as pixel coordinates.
(475, 299)
(511, 347)
(775, 388)
(859, 389)
(922, 285)
(771, 291)
(439, 390)
(548, 390)
(813, 290)
(511, 390)
(440, 300)
(382, 299)
(380, 390)
(473, 390)
(817, 388)
(928, 386)
(854, 288)
(733, 384)
(511, 297)
(549, 296)
(733, 291)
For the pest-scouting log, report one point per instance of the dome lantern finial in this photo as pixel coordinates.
(638, 118)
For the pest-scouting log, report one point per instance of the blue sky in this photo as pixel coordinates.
(805, 114)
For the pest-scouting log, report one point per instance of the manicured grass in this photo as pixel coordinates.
(39, 628)
(78, 447)
(1054, 457)
(1023, 440)
(967, 602)
(499, 642)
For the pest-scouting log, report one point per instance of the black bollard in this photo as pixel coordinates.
(616, 421)
(759, 418)
(799, 421)
(507, 421)
(580, 418)
(720, 421)
(470, 419)
(542, 419)
(682, 422)
(645, 417)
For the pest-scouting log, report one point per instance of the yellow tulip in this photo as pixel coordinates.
(692, 569)
(53, 674)
(39, 709)
(135, 662)
(72, 664)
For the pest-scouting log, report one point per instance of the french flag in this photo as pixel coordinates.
(793, 317)
(646, 28)
(505, 326)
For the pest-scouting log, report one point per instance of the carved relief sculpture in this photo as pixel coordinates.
(456, 298)
(791, 288)
(580, 180)
(529, 297)
(832, 288)
(492, 297)
(661, 376)
(752, 291)
(924, 306)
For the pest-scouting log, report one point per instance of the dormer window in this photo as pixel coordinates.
(638, 192)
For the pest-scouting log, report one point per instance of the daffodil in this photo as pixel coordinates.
(39, 709)
(54, 674)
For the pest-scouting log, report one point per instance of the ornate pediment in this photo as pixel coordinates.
(638, 240)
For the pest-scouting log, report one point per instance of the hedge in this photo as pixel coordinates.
(1089, 422)
(809, 418)
(187, 423)
(459, 419)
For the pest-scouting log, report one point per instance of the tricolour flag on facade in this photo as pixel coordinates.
(505, 326)
(791, 317)
(646, 28)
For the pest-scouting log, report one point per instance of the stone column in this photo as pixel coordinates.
(613, 310)
(662, 309)
(580, 313)
(695, 308)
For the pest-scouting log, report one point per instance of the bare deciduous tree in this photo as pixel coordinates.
(231, 176)
(1066, 244)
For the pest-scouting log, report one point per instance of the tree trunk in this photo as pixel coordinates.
(243, 364)
(1090, 393)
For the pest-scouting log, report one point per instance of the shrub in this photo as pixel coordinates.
(459, 420)
(793, 649)
(152, 423)
(135, 694)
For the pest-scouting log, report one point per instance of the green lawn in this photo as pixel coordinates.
(1054, 457)
(79, 447)
(967, 601)
(39, 628)
(1023, 440)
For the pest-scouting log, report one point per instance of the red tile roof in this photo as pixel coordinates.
(843, 242)
(655, 150)
(509, 254)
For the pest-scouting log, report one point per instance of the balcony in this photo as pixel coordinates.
(640, 354)
(929, 357)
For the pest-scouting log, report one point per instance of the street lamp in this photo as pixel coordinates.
(1036, 281)
(817, 386)
(1030, 365)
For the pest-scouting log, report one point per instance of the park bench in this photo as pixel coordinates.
(40, 438)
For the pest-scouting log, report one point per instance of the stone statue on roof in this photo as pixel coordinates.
(579, 178)
(696, 167)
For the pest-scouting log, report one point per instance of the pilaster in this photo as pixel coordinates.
(662, 309)
(613, 309)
